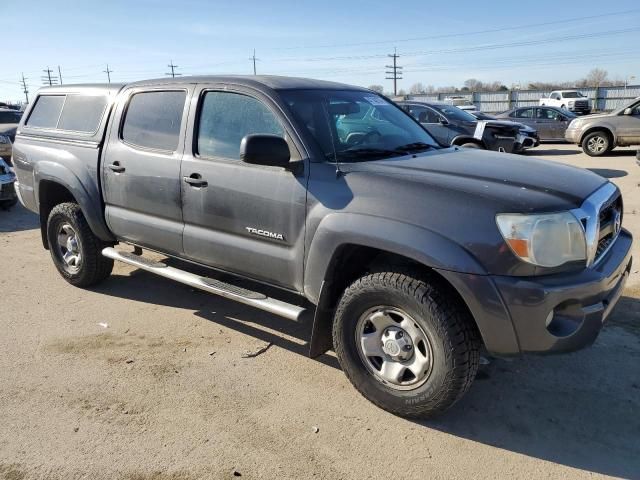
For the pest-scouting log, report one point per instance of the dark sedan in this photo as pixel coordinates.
(452, 126)
(550, 122)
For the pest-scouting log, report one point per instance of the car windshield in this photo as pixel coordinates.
(353, 125)
(454, 113)
(10, 117)
(572, 95)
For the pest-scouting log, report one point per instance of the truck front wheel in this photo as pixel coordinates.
(75, 250)
(406, 344)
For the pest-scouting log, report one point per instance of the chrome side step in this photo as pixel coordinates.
(232, 292)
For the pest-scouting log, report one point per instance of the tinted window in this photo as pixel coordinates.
(46, 111)
(423, 114)
(153, 120)
(524, 113)
(226, 118)
(82, 113)
(549, 114)
(454, 113)
(10, 117)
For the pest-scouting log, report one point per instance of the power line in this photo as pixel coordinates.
(173, 70)
(395, 72)
(24, 88)
(254, 61)
(109, 72)
(461, 34)
(48, 78)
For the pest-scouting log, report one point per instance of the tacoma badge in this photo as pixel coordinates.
(265, 233)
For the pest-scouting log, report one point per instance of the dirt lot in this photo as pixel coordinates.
(163, 391)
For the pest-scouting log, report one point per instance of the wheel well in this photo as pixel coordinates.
(598, 129)
(462, 140)
(351, 262)
(50, 194)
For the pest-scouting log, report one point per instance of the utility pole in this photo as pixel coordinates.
(24, 88)
(395, 72)
(254, 61)
(59, 75)
(109, 72)
(173, 70)
(48, 79)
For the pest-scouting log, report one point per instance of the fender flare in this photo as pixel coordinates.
(605, 126)
(419, 244)
(87, 196)
(460, 139)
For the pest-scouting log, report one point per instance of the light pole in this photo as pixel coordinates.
(626, 82)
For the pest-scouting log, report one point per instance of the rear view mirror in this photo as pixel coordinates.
(263, 149)
(628, 111)
(444, 121)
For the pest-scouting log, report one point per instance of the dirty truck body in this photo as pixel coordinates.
(407, 256)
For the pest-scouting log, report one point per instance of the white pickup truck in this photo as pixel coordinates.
(571, 100)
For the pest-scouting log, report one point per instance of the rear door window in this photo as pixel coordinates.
(82, 113)
(153, 119)
(46, 111)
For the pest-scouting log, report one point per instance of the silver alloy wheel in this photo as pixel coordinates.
(597, 144)
(69, 248)
(394, 348)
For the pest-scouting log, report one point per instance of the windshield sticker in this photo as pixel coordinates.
(374, 100)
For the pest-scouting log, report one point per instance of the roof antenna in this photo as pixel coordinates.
(325, 110)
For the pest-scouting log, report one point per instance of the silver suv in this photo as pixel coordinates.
(599, 134)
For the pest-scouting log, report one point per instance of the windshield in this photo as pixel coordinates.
(350, 125)
(10, 117)
(572, 95)
(454, 113)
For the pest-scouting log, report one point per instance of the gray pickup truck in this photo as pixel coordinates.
(409, 257)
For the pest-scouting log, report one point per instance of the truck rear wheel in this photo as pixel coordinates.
(75, 250)
(406, 344)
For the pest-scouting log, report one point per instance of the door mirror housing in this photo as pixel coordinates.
(628, 111)
(444, 121)
(264, 149)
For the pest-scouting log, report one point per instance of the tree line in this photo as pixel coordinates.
(595, 78)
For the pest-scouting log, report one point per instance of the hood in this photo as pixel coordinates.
(512, 182)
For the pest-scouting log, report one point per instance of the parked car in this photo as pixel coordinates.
(550, 122)
(461, 102)
(571, 100)
(599, 134)
(452, 126)
(8, 196)
(528, 137)
(9, 120)
(410, 256)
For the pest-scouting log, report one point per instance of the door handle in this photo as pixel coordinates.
(195, 180)
(116, 167)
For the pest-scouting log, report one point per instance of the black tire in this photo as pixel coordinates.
(93, 267)
(7, 204)
(454, 341)
(470, 145)
(597, 143)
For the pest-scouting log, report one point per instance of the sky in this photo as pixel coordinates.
(440, 43)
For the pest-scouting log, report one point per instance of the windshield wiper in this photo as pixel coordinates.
(369, 153)
(414, 147)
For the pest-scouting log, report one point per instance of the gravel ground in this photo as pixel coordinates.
(141, 379)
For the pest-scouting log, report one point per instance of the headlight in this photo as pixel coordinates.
(4, 139)
(546, 240)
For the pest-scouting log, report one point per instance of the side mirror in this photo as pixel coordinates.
(263, 149)
(628, 111)
(443, 121)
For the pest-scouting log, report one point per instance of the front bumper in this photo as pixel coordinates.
(572, 135)
(512, 312)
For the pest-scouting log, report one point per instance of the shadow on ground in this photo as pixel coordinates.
(543, 151)
(609, 173)
(579, 410)
(17, 219)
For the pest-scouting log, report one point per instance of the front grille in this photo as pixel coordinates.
(581, 104)
(610, 220)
